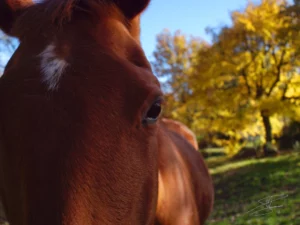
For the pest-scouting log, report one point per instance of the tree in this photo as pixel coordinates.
(251, 72)
(293, 11)
(172, 63)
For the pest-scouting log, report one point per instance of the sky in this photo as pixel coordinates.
(189, 16)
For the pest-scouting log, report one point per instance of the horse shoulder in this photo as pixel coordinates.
(185, 187)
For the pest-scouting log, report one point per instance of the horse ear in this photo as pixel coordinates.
(132, 8)
(9, 12)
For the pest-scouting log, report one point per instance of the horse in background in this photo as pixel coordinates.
(80, 137)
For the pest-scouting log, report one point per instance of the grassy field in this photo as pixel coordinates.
(240, 185)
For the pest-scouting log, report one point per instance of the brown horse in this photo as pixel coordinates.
(80, 140)
(185, 186)
(181, 129)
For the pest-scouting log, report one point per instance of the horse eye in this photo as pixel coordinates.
(153, 113)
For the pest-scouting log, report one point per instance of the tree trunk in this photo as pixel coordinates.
(268, 128)
(268, 133)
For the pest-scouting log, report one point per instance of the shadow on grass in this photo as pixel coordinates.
(238, 190)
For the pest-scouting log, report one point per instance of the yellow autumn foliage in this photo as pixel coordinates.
(243, 84)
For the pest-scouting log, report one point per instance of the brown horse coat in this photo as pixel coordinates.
(185, 187)
(181, 129)
(74, 147)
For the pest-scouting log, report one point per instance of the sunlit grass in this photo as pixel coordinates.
(240, 185)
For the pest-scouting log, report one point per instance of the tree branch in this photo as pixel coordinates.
(292, 98)
(278, 72)
(244, 75)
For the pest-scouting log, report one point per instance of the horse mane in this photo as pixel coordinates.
(57, 13)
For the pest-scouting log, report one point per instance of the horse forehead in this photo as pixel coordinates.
(112, 35)
(110, 28)
(54, 61)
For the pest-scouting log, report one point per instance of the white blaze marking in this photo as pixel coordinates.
(52, 67)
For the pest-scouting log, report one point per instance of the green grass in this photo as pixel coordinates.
(213, 152)
(240, 185)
